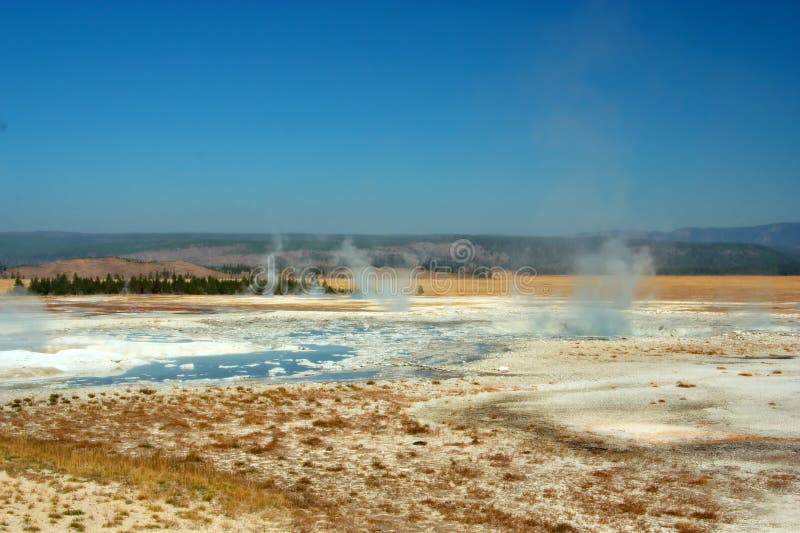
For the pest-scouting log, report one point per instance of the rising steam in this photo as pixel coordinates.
(605, 288)
(371, 282)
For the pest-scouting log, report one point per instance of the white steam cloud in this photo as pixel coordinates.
(605, 288)
(371, 282)
(22, 323)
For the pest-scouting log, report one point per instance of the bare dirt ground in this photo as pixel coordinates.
(580, 441)
(640, 433)
(451, 455)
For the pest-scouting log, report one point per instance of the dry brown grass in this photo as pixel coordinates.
(157, 477)
(412, 426)
(8, 284)
(705, 288)
(490, 516)
(348, 457)
(335, 422)
(775, 289)
(689, 527)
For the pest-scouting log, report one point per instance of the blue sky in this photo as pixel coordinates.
(468, 117)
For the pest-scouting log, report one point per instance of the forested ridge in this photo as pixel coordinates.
(233, 254)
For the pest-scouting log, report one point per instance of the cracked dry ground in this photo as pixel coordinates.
(360, 456)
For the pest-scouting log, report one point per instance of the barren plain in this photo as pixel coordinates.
(676, 411)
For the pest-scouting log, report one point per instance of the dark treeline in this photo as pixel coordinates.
(153, 284)
(157, 284)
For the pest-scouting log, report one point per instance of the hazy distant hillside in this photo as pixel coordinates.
(781, 235)
(548, 255)
(785, 234)
(559, 256)
(19, 248)
(100, 267)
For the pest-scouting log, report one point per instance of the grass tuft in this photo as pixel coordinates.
(156, 476)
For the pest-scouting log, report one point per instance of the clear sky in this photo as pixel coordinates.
(376, 117)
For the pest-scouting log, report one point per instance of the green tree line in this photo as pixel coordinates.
(152, 284)
(158, 284)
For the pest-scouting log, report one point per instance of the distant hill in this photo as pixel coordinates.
(785, 234)
(781, 235)
(775, 250)
(101, 266)
(561, 255)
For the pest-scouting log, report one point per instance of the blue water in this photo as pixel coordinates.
(250, 365)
